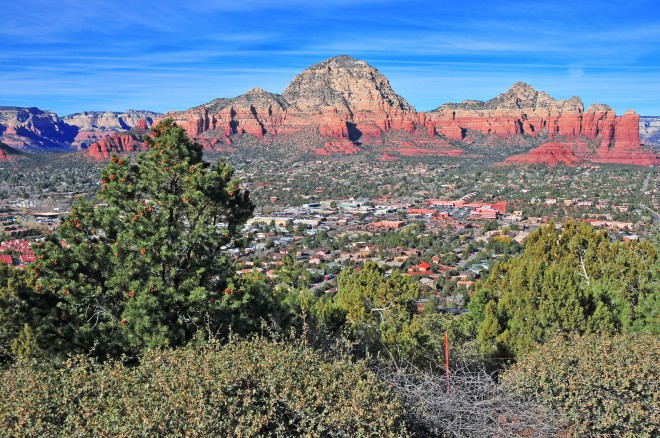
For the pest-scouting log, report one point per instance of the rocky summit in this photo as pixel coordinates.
(346, 106)
(595, 135)
(345, 100)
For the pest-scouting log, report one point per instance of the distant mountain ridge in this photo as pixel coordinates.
(649, 130)
(38, 130)
(345, 106)
(353, 107)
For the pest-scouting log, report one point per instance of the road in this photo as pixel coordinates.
(463, 263)
(645, 186)
(655, 214)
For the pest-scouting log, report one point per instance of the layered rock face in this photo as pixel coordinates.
(109, 120)
(345, 106)
(35, 129)
(120, 143)
(625, 148)
(551, 154)
(353, 106)
(619, 144)
(524, 111)
(32, 128)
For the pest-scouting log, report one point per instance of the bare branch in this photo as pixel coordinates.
(584, 271)
(476, 406)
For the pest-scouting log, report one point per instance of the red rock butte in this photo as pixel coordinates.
(346, 102)
(116, 144)
(524, 111)
(552, 154)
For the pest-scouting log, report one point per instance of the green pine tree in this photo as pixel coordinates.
(145, 264)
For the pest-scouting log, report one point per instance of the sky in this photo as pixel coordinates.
(75, 55)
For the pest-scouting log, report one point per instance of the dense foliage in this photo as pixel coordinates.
(567, 282)
(605, 386)
(241, 388)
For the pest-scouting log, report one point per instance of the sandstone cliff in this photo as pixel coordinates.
(595, 135)
(120, 143)
(522, 110)
(550, 154)
(350, 103)
(32, 128)
(352, 107)
(345, 106)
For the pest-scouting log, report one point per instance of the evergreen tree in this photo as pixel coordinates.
(146, 264)
(571, 282)
(376, 310)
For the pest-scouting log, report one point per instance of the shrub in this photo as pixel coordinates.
(597, 385)
(243, 388)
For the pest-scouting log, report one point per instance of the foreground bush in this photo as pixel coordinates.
(243, 388)
(597, 385)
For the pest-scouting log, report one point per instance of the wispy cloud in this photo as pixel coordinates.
(71, 55)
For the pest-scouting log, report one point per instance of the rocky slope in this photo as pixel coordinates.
(617, 143)
(595, 135)
(32, 128)
(120, 143)
(345, 106)
(353, 107)
(524, 110)
(551, 154)
(35, 129)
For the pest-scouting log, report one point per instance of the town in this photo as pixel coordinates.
(444, 223)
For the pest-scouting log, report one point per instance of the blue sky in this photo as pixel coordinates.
(74, 55)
